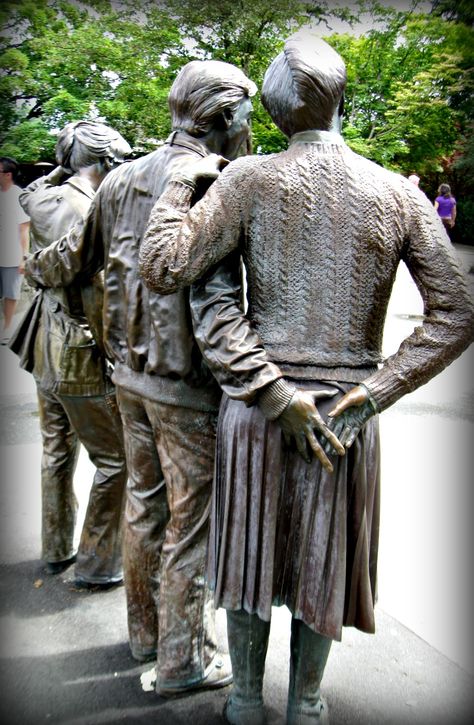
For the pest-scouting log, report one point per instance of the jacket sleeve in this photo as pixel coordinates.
(180, 243)
(448, 325)
(226, 338)
(77, 255)
(28, 195)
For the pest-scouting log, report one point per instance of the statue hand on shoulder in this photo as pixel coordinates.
(350, 415)
(208, 167)
(301, 419)
(58, 175)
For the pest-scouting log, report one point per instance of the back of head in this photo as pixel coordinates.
(10, 166)
(414, 179)
(304, 85)
(84, 143)
(444, 190)
(203, 90)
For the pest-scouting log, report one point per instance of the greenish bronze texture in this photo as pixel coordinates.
(76, 397)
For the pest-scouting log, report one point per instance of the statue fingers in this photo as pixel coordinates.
(322, 394)
(318, 451)
(334, 428)
(354, 398)
(302, 447)
(349, 435)
(330, 436)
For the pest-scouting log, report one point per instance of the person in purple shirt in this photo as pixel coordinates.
(445, 205)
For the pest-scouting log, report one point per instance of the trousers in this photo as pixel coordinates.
(170, 457)
(67, 421)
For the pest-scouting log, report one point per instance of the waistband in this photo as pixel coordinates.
(165, 390)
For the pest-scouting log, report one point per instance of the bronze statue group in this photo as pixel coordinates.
(237, 452)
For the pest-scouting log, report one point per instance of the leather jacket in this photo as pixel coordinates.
(55, 340)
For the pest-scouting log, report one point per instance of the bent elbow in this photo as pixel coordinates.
(156, 276)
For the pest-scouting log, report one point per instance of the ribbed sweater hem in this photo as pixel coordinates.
(162, 389)
(321, 372)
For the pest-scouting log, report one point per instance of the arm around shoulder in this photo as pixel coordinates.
(181, 243)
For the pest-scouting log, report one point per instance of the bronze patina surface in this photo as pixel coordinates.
(75, 394)
(321, 231)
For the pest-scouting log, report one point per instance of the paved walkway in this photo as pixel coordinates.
(64, 655)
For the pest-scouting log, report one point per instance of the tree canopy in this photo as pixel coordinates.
(409, 93)
(62, 60)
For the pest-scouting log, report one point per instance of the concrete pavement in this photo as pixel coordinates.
(63, 653)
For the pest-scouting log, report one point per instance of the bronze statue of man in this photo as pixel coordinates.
(168, 399)
(321, 231)
(76, 397)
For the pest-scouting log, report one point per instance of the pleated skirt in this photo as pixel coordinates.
(285, 532)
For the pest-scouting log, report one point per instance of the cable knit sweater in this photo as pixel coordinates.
(321, 231)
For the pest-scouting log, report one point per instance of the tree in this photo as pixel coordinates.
(461, 11)
(249, 33)
(409, 93)
(63, 60)
(408, 89)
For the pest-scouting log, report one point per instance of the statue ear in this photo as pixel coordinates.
(224, 120)
(340, 110)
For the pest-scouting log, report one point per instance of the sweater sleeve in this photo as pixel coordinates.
(448, 325)
(180, 244)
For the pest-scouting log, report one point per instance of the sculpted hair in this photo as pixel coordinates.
(203, 90)
(304, 85)
(84, 143)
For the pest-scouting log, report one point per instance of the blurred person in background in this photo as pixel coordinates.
(445, 205)
(14, 235)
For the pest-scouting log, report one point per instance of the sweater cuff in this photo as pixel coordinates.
(371, 399)
(183, 180)
(274, 399)
(383, 390)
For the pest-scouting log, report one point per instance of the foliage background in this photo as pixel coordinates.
(409, 100)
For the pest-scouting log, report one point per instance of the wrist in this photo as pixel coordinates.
(186, 179)
(371, 399)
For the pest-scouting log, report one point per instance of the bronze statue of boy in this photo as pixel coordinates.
(167, 397)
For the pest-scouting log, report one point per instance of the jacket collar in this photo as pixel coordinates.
(81, 184)
(313, 136)
(181, 138)
(142, 182)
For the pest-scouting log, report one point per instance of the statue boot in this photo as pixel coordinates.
(309, 654)
(247, 635)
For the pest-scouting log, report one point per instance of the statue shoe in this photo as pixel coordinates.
(104, 585)
(57, 567)
(319, 717)
(218, 674)
(244, 713)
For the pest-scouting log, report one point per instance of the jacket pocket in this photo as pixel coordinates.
(81, 368)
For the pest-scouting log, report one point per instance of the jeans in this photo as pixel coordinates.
(170, 456)
(95, 422)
